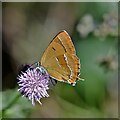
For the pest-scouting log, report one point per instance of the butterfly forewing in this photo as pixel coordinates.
(60, 59)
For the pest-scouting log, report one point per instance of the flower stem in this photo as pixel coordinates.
(10, 104)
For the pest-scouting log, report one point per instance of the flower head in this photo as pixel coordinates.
(34, 83)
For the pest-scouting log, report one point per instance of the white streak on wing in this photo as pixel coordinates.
(61, 41)
(57, 61)
(66, 59)
(68, 66)
(69, 39)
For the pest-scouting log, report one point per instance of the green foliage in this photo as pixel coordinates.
(15, 106)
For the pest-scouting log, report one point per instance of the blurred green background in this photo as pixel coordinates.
(28, 28)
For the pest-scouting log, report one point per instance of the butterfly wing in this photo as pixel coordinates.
(60, 59)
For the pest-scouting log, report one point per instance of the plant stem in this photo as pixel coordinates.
(10, 104)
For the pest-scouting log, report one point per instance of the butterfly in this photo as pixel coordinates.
(60, 59)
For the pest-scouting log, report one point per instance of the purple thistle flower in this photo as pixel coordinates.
(34, 83)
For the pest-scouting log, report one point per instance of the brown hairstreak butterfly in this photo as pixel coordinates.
(60, 59)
